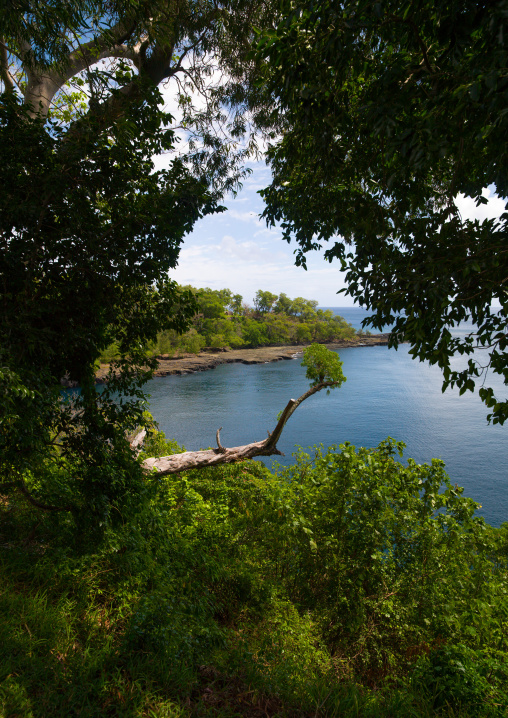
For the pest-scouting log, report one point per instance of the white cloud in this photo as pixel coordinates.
(255, 186)
(236, 250)
(248, 252)
(268, 233)
(246, 266)
(468, 209)
(248, 216)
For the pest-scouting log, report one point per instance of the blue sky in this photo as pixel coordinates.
(237, 250)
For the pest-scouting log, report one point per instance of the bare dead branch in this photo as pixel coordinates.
(138, 439)
(220, 449)
(214, 457)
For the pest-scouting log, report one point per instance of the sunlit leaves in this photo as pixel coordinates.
(323, 365)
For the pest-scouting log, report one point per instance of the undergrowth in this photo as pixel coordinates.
(346, 585)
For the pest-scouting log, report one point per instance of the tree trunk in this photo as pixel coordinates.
(221, 455)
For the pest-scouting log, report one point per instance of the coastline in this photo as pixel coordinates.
(206, 360)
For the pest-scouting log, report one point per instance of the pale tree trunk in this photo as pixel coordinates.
(175, 463)
(43, 83)
(222, 455)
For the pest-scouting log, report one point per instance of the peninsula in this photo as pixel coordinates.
(209, 358)
(226, 330)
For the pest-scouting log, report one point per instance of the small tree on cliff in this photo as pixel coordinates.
(324, 370)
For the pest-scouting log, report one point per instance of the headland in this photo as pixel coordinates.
(184, 363)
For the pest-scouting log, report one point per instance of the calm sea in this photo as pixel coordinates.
(386, 394)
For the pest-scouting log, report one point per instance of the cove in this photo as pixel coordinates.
(386, 394)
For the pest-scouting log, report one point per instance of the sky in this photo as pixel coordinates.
(236, 250)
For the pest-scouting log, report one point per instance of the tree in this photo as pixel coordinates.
(283, 304)
(235, 305)
(389, 111)
(304, 308)
(89, 228)
(264, 301)
(254, 333)
(212, 305)
(323, 366)
(324, 369)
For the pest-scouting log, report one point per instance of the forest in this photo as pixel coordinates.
(223, 319)
(138, 579)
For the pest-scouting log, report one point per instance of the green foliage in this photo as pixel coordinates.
(78, 297)
(192, 342)
(88, 232)
(155, 443)
(89, 228)
(264, 301)
(386, 112)
(283, 305)
(458, 677)
(222, 320)
(323, 365)
(347, 584)
(254, 333)
(212, 304)
(391, 562)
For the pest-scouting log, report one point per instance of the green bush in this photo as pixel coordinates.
(217, 341)
(192, 342)
(460, 678)
(347, 584)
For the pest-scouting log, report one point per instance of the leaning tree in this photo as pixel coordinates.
(324, 369)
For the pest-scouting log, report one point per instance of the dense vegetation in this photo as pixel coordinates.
(349, 584)
(90, 227)
(223, 319)
(389, 110)
(346, 585)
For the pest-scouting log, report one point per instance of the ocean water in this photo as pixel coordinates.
(386, 394)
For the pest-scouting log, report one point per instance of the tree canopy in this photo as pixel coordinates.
(224, 320)
(89, 227)
(323, 366)
(387, 112)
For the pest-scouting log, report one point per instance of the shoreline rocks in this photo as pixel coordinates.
(209, 359)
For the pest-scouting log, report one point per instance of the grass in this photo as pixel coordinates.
(64, 655)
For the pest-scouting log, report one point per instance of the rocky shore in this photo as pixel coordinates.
(205, 360)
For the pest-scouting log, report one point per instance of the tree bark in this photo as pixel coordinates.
(43, 84)
(215, 457)
(5, 75)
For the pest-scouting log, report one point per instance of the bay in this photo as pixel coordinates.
(386, 394)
